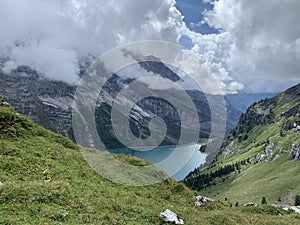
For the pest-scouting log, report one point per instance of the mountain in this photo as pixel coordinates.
(45, 180)
(242, 101)
(49, 103)
(260, 157)
(46, 102)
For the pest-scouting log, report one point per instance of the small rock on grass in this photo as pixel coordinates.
(169, 216)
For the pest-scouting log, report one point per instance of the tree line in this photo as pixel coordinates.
(198, 181)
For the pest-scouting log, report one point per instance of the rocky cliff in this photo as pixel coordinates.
(49, 103)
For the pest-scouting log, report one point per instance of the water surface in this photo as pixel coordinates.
(182, 159)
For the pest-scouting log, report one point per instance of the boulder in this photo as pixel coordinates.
(201, 200)
(249, 204)
(287, 208)
(4, 104)
(169, 216)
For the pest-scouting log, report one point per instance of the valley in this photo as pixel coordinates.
(45, 180)
(149, 112)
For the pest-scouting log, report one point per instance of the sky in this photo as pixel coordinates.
(250, 46)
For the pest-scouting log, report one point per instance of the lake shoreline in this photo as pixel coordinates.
(159, 154)
(154, 147)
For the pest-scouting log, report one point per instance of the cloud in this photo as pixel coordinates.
(214, 50)
(258, 41)
(257, 48)
(53, 36)
(48, 59)
(265, 40)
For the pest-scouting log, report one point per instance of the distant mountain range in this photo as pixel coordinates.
(242, 101)
(49, 103)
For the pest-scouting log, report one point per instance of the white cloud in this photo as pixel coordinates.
(214, 50)
(233, 86)
(265, 41)
(52, 36)
(258, 43)
(48, 59)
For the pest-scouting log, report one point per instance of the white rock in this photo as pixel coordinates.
(201, 200)
(169, 216)
(5, 104)
(296, 209)
(249, 204)
(287, 208)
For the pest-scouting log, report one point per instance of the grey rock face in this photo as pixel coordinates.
(49, 103)
(45, 102)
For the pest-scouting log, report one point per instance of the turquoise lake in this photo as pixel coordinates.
(178, 161)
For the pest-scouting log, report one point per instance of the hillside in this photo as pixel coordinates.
(260, 157)
(45, 180)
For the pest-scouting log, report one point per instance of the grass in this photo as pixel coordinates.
(276, 179)
(273, 180)
(47, 181)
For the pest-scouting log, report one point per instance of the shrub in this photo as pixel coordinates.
(297, 200)
(178, 188)
(263, 201)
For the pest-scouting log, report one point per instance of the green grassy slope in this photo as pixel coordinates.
(46, 181)
(266, 125)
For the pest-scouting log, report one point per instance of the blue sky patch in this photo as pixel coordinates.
(192, 10)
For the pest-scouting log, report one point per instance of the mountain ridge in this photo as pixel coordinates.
(259, 158)
(49, 103)
(243, 101)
